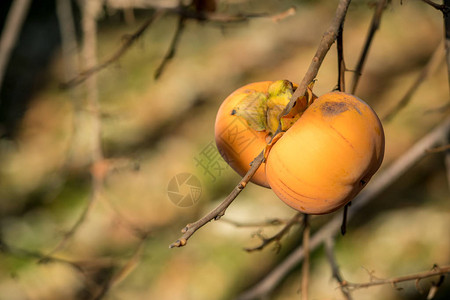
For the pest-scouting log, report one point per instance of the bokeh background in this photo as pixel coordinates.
(152, 130)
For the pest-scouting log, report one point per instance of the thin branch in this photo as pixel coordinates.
(393, 281)
(373, 28)
(341, 61)
(270, 222)
(128, 41)
(305, 266)
(446, 13)
(327, 40)
(219, 211)
(173, 45)
(13, 24)
(336, 272)
(344, 218)
(278, 236)
(325, 44)
(376, 186)
(439, 149)
(435, 5)
(432, 65)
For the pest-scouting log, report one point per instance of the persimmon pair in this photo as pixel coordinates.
(328, 149)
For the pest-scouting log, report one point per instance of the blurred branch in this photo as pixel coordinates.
(327, 40)
(329, 250)
(393, 281)
(446, 13)
(305, 266)
(128, 41)
(172, 48)
(219, 211)
(270, 222)
(379, 183)
(435, 5)
(184, 14)
(90, 12)
(11, 29)
(341, 62)
(432, 65)
(278, 236)
(375, 24)
(439, 149)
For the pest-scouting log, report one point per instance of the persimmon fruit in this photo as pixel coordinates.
(328, 155)
(246, 121)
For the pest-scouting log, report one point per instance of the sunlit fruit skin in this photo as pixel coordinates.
(325, 159)
(237, 142)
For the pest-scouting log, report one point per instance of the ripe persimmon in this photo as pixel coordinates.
(328, 155)
(246, 121)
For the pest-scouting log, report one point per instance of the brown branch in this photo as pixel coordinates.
(172, 48)
(184, 13)
(219, 211)
(344, 218)
(329, 250)
(393, 281)
(432, 65)
(341, 61)
(278, 236)
(375, 24)
(446, 13)
(376, 186)
(435, 5)
(128, 41)
(270, 222)
(11, 30)
(305, 267)
(327, 40)
(439, 149)
(325, 44)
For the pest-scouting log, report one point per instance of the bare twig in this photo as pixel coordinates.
(439, 149)
(341, 61)
(434, 5)
(219, 211)
(270, 222)
(129, 41)
(393, 281)
(446, 13)
(329, 249)
(344, 218)
(373, 28)
(305, 267)
(325, 44)
(376, 186)
(432, 65)
(10, 33)
(278, 236)
(173, 46)
(90, 10)
(184, 13)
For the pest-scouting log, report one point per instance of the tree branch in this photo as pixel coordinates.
(393, 281)
(432, 65)
(379, 183)
(13, 24)
(327, 40)
(329, 250)
(376, 19)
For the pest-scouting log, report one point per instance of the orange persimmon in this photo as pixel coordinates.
(328, 155)
(237, 142)
(248, 118)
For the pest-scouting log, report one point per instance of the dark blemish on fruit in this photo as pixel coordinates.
(363, 182)
(233, 112)
(333, 108)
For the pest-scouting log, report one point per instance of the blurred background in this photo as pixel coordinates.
(88, 205)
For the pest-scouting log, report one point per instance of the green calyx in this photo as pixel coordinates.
(262, 110)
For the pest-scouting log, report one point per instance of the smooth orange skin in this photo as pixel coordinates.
(237, 142)
(325, 159)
